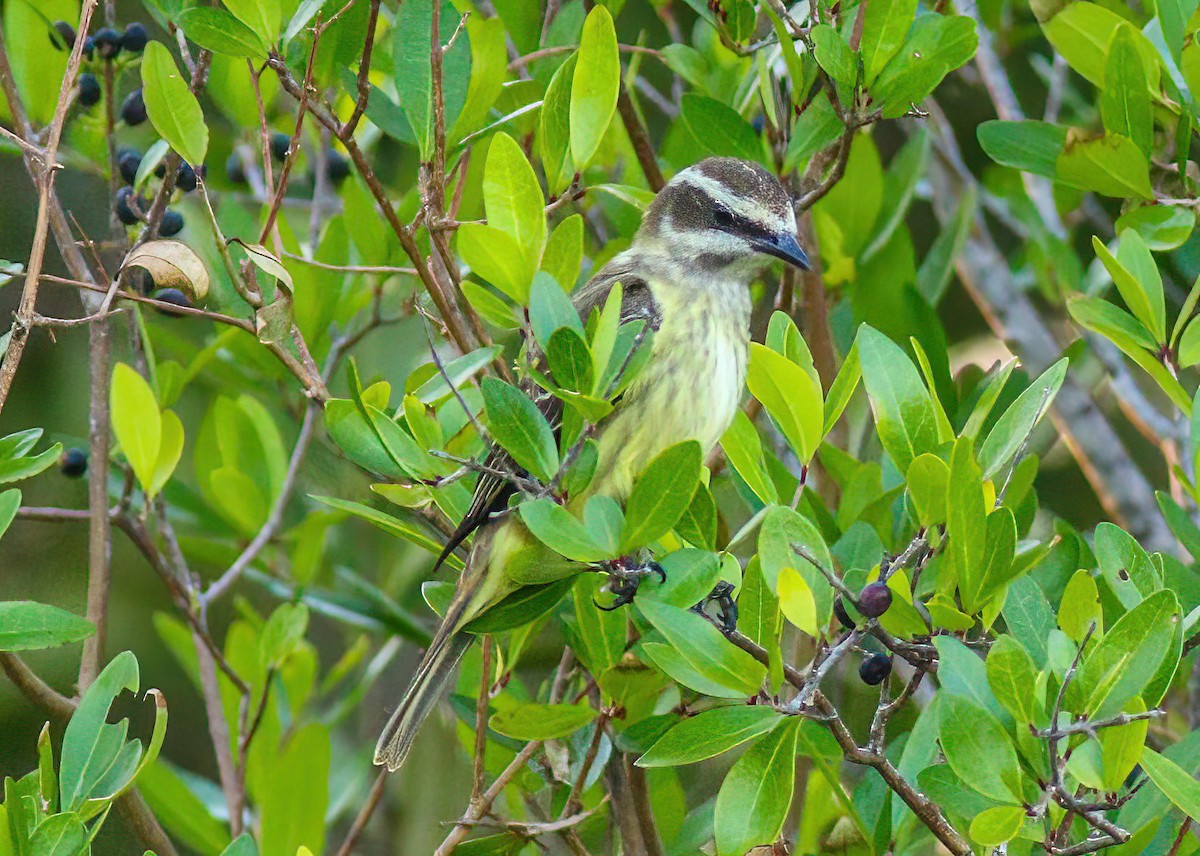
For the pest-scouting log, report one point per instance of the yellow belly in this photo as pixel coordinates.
(689, 390)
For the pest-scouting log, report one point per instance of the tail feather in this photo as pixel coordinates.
(428, 684)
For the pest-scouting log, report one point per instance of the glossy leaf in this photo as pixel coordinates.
(594, 85)
(26, 625)
(171, 106)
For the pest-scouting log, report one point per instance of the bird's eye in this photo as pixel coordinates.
(722, 216)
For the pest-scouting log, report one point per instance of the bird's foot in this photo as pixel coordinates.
(727, 610)
(624, 577)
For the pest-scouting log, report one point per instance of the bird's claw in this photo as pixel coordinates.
(727, 610)
(624, 579)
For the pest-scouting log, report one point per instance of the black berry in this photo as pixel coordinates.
(89, 48)
(874, 600)
(65, 33)
(839, 609)
(234, 170)
(135, 38)
(337, 168)
(875, 669)
(172, 222)
(121, 204)
(89, 90)
(128, 161)
(108, 42)
(176, 298)
(73, 463)
(185, 178)
(133, 109)
(160, 170)
(280, 143)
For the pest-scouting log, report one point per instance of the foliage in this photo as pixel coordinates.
(373, 294)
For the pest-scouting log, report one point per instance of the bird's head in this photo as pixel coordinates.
(722, 215)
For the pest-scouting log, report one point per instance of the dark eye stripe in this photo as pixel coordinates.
(730, 221)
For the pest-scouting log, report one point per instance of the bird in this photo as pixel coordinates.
(686, 274)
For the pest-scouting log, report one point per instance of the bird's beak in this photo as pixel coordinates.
(786, 247)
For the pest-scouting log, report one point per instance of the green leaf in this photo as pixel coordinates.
(136, 422)
(928, 478)
(1175, 782)
(549, 309)
(994, 826)
(796, 601)
(1162, 227)
(563, 255)
(495, 256)
(885, 26)
(554, 130)
(594, 86)
(1111, 165)
(1026, 145)
(743, 448)
(790, 396)
(834, 55)
(26, 625)
(170, 449)
(392, 525)
(725, 671)
(709, 734)
(661, 494)
(518, 426)
(754, 798)
(262, 16)
(1012, 429)
(1082, 33)
(525, 605)
(904, 415)
(459, 371)
(1012, 675)
(719, 129)
(966, 523)
(782, 534)
(282, 634)
(1125, 661)
(59, 835)
(937, 267)
(293, 817)
(171, 106)
(1080, 606)
(219, 31)
(542, 721)
(560, 530)
(411, 50)
(819, 126)
(513, 198)
(1125, 97)
(978, 749)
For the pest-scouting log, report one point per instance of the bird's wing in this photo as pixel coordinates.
(491, 491)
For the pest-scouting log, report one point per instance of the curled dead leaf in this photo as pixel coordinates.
(171, 264)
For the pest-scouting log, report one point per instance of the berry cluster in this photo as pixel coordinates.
(337, 168)
(107, 43)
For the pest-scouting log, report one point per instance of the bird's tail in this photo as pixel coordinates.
(436, 669)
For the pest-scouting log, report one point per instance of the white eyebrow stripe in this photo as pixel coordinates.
(715, 190)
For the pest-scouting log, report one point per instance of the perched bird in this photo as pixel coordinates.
(686, 275)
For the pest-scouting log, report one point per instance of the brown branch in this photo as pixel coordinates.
(364, 814)
(42, 170)
(364, 80)
(481, 717)
(640, 138)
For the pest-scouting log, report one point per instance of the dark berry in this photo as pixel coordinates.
(235, 171)
(337, 168)
(280, 143)
(839, 609)
(758, 123)
(874, 600)
(65, 35)
(73, 463)
(133, 109)
(185, 178)
(89, 90)
(89, 48)
(172, 222)
(875, 669)
(128, 161)
(140, 281)
(176, 298)
(108, 42)
(124, 209)
(160, 170)
(135, 38)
